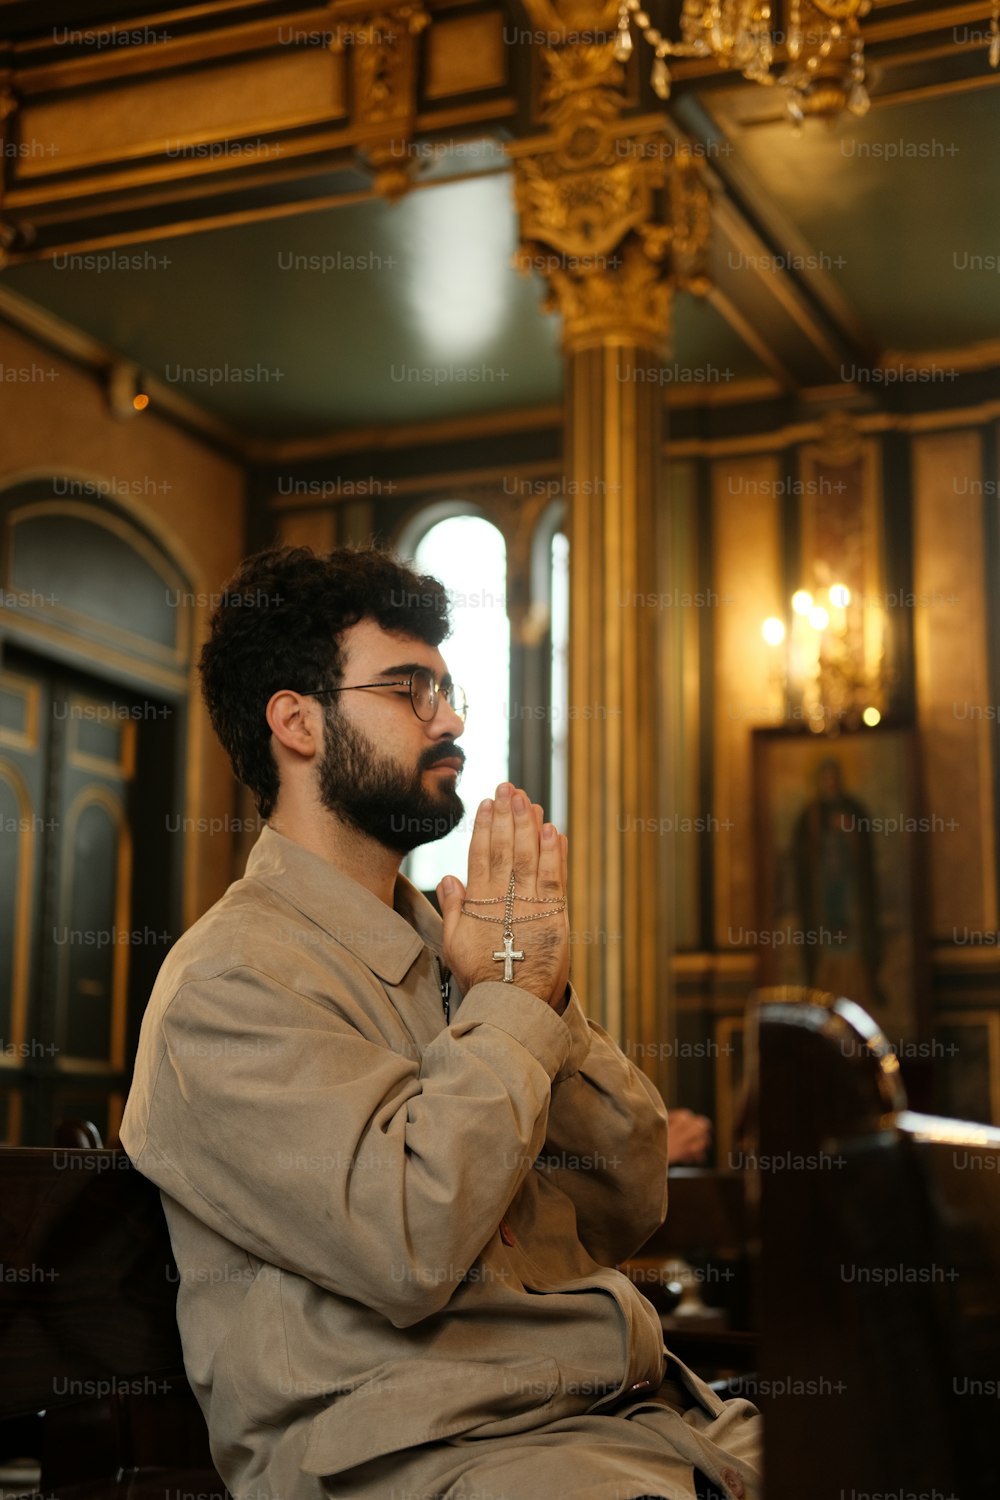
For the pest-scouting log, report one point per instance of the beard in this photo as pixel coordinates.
(377, 796)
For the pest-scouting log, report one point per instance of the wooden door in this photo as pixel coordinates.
(86, 892)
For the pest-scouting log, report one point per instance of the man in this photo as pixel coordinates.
(397, 1201)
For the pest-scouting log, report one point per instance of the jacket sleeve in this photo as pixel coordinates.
(288, 1125)
(606, 1143)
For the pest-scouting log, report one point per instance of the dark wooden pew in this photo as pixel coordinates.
(88, 1333)
(879, 1273)
(707, 1229)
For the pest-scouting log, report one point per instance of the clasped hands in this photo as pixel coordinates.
(509, 834)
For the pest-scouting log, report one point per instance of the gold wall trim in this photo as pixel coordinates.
(31, 693)
(990, 1020)
(476, 486)
(727, 1029)
(374, 439)
(746, 572)
(971, 958)
(20, 964)
(800, 432)
(124, 763)
(764, 442)
(88, 1065)
(99, 796)
(733, 392)
(85, 653)
(950, 670)
(15, 1106)
(195, 802)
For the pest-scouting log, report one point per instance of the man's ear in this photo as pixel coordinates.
(296, 722)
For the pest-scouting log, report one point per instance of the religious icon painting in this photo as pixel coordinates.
(840, 844)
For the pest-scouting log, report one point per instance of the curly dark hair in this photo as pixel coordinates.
(278, 625)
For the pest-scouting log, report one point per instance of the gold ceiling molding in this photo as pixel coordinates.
(8, 108)
(384, 59)
(242, 118)
(612, 212)
(981, 356)
(573, 21)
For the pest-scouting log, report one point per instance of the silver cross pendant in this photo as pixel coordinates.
(507, 957)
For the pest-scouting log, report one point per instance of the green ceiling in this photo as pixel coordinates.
(900, 203)
(366, 313)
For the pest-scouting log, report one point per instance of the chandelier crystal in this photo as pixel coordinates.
(818, 58)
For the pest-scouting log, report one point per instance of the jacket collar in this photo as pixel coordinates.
(388, 941)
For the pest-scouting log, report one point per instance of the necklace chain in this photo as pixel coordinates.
(507, 920)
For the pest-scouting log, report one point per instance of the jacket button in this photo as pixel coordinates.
(506, 1233)
(641, 1385)
(733, 1482)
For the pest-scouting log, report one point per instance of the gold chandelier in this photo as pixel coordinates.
(832, 670)
(817, 57)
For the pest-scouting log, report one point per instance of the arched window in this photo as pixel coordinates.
(468, 554)
(559, 677)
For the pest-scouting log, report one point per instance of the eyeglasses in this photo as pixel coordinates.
(424, 689)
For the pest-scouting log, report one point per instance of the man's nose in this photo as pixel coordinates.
(446, 721)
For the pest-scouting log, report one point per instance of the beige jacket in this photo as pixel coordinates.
(388, 1230)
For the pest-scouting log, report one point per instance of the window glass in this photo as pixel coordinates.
(469, 556)
(559, 677)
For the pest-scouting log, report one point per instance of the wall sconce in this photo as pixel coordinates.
(824, 669)
(126, 396)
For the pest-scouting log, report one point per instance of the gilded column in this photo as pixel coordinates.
(615, 219)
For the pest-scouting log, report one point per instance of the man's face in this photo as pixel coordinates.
(383, 770)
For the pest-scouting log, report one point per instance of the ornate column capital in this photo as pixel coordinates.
(612, 212)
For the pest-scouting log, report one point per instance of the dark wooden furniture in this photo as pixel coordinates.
(706, 1228)
(879, 1272)
(87, 1330)
(81, 1133)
